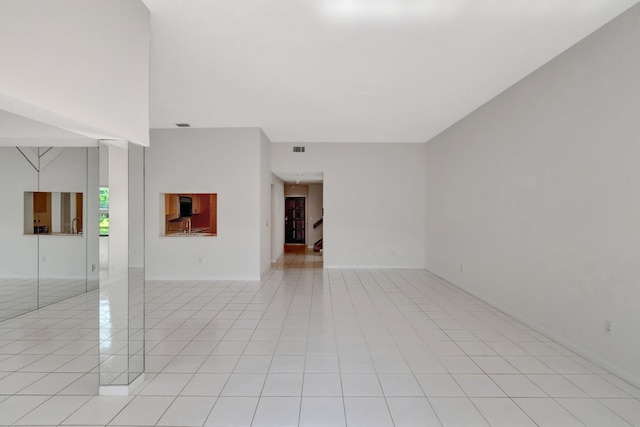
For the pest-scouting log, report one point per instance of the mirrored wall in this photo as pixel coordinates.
(49, 227)
(72, 222)
(121, 264)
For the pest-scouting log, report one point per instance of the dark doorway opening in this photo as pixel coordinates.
(294, 220)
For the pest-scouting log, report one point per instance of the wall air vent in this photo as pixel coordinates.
(298, 149)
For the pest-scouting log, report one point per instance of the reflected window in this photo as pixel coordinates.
(104, 211)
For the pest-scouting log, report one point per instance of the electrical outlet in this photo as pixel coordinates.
(199, 260)
(607, 326)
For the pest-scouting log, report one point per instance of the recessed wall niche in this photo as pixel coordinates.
(53, 213)
(189, 214)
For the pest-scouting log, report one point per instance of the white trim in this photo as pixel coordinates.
(266, 272)
(275, 262)
(42, 276)
(18, 276)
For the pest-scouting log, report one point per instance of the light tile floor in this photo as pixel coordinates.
(308, 347)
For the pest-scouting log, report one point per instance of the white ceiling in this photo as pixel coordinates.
(351, 70)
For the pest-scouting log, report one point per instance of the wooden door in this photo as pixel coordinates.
(294, 220)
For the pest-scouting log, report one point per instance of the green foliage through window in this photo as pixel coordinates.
(104, 214)
(104, 198)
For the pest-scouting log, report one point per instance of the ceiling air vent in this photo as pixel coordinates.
(298, 149)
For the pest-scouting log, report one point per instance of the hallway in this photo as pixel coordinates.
(308, 347)
(299, 257)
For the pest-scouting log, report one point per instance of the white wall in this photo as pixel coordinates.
(118, 243)
(65, 256)
(381, 225)
(536, 194)
(91, 220)
(18, 252)
(222, 161)
(81, 65)
(136, 206)
(277, 219)
(296, 190)
(265, 203)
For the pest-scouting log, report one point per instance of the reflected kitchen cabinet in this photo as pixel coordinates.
(41, 202)
(41, 213)
(78, 213)
(53, 213)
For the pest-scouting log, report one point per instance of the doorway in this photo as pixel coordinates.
(294, 220)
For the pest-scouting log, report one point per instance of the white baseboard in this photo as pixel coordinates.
(277, 260)
(211, 278)
(43, 276)
(373, 267)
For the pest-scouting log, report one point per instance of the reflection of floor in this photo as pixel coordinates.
(21, 295)
(308, 347)
(17, 296)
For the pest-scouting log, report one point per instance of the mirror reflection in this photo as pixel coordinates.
(49, 235)
(53, 213)
(18, 253)
(122, 252)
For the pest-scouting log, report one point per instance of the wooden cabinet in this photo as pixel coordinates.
(213, 213)
(79, 209)
(40, 204)
(41, 213)
(171, 206)
(195, 203)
